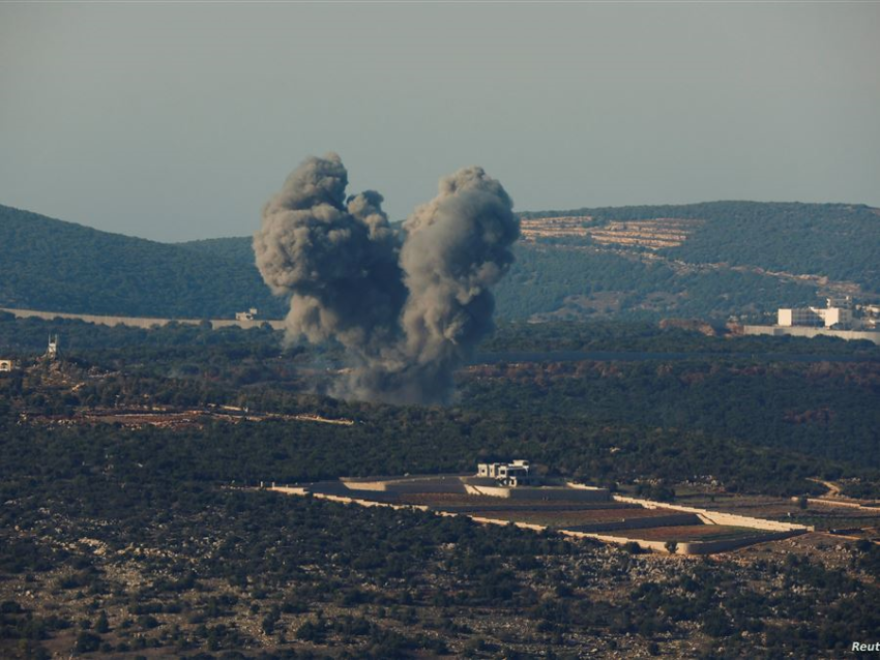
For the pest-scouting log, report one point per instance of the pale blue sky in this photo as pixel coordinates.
(176, 121)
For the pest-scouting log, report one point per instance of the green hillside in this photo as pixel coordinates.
(237, 250)
(839, 241)
(727, 259)
(741, 259)
(567, 282)
(60, 266)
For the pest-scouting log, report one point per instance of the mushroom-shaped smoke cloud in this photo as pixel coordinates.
(409, 307)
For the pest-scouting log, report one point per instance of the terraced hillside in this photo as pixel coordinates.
(718, 259)
(714, 261)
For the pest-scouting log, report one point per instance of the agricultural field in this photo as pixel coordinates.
(485, 503)
(575, 518)
(535, 508)
(691, 533)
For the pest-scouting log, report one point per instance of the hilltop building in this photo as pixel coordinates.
(6, 366)
(249, 315)
(839, 318)
(837, 314)
(506, 474)
(870, 316)
(508, 494)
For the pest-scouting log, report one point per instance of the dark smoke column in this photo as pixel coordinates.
(408, 309)
(338, 260)
(458, 246)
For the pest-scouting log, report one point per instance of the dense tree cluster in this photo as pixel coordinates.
(226, 571)
(550, 278)
(379, 583)
(720, 408)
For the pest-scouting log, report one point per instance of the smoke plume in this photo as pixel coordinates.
(408, 306)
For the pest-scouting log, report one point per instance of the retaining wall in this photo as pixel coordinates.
(708, 547)
(672, 520)
(687, 547)
(523, 505)
(541, 493)
(682, 548)
(718, 518)
(428, 485)
(801, 331)
(843, 503)
(655, 546)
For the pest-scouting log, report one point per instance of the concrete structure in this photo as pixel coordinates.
(569, 509)
(836, 319)
(421, 484)
(6, 365)
(539, 492)
(52, 350)
(870, 316)
(787, 318)
(837, 314)
(709, 517)
(800, 331)
(688, 547)
(249, 315)
(484, 485)
(506, 474)
(591, 512)
(764, 530)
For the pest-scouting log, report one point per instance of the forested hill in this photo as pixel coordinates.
(60, 266)
(238, 250)
(710, 260)
(839, 241)
(713, 260)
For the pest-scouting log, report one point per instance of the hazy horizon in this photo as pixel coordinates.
(176, 122)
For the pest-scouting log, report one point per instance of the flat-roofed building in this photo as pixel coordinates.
(836, 317)
(816, 317)
(515, 473)
(799, 316)
(249, 315)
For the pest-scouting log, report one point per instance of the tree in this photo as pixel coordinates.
(102, 625)
(87, 642)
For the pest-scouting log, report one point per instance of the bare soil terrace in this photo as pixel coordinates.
(690, 533)
(457, 500)
(564, 519)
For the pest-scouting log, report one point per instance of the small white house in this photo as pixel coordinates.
(249, 315)
(515, 473)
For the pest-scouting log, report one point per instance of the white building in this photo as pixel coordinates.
(836, 314)
(249, 315)
(515, 473)
(804, 316)
(870, 316)
(6, 365)
(837, 317)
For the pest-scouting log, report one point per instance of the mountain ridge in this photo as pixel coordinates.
(710, 260)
